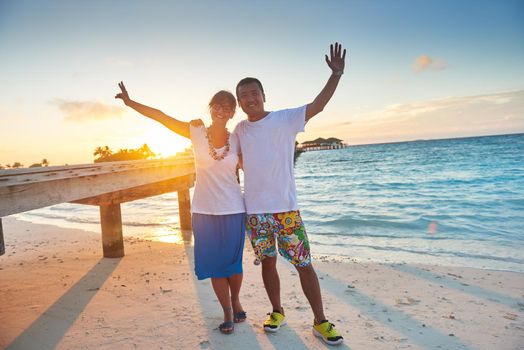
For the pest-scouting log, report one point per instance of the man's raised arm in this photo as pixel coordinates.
(336, 63)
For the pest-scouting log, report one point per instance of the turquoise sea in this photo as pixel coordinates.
(449, 202)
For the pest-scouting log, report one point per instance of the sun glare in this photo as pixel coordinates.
(169, 236)
(165, 143)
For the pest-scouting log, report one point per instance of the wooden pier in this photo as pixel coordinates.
(106, 185)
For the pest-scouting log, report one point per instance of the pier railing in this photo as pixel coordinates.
(105, 185)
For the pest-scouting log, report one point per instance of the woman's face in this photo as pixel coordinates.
(221, 113)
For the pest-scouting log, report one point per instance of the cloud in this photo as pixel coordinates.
(497, 113)
(78, 111)
(425, 62)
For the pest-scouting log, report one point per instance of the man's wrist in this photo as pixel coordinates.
(337, 72)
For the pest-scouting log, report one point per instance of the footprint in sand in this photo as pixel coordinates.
(407, 301)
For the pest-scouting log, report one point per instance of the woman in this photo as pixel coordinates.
(218, 213)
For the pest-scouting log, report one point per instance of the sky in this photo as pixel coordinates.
(414, 69)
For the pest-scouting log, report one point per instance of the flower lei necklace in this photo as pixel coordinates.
(212, 151)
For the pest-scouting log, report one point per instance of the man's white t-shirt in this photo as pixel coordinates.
(267, 148)
(217, 191)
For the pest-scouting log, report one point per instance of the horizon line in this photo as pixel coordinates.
(437, 139)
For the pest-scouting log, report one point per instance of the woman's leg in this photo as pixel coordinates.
(221, 288)
(235, 282)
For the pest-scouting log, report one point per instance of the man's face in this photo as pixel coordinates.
(251, 99)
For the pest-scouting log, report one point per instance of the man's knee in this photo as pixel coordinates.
(308, 269)
(269, 262)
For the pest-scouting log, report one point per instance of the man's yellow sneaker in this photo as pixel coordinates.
(327, 332)
(274, 321)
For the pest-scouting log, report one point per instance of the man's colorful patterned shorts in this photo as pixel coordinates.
(290, 232)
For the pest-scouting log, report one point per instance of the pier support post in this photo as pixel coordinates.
(112, 239)
(184, 209)
(2, 246)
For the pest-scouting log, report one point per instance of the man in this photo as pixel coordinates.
(267, 141)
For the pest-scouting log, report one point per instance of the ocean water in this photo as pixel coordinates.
(448, 202)
(456, 202)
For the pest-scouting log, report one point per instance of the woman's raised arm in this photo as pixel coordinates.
(180, 127)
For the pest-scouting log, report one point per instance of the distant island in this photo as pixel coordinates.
(321, 144)
(105, 154)
(17, 165)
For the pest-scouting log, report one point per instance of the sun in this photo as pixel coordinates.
(165, 143)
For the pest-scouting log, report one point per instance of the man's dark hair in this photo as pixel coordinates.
(248, 80)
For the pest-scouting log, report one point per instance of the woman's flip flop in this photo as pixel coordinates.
(239, 317)
(227, 327)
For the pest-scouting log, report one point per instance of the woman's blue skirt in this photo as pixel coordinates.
(218, 244)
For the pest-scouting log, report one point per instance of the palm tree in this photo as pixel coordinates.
(146, 151)
(45, 162)
(102, 152)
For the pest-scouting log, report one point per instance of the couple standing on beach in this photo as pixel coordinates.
(263, 146)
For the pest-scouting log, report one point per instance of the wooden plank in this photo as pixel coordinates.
(184, 209)
(112, 239)
(23, 197)
(23, 176)
(140, 192)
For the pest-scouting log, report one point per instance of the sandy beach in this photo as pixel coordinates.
(58, 292)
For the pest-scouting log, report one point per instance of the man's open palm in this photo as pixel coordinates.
(337, 58)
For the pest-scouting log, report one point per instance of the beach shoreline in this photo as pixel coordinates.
(58, 292)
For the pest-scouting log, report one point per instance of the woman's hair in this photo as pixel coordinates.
(224, 97)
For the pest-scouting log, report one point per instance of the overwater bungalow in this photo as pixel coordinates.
(322, 144)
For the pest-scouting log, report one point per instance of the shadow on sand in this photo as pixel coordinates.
(213, 316)
(47, 331)
(451, 283)
(424, 336)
